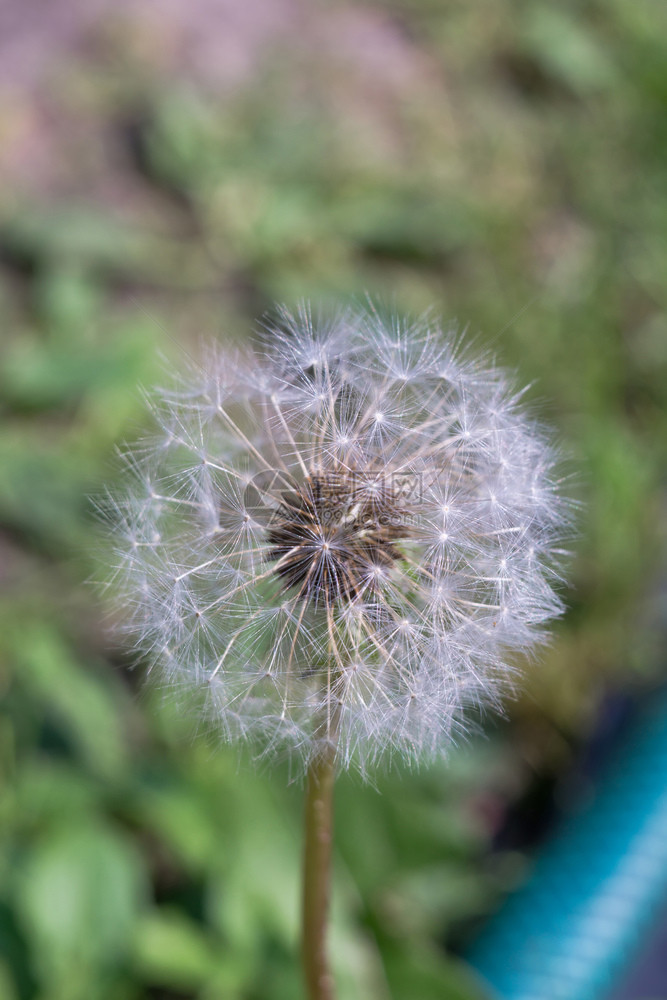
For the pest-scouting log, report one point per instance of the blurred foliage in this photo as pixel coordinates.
(515, 178)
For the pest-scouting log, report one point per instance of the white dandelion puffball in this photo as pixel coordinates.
(345, 536)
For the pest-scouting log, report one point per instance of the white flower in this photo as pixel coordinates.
(343, 537)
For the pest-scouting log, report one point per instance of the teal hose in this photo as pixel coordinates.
(574, 929)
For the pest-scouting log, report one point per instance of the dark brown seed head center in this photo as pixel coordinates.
(335, 537)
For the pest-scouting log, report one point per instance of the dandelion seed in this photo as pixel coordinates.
(358, 500)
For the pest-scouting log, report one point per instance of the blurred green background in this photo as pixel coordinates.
(166, 174)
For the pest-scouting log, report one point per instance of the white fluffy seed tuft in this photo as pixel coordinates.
(346, 535)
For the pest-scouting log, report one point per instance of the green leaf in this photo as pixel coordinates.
(567, 49)
(79, 895)
(7, 990)
(181, 820)
(171, 950)
(77, 699)
(47, 789)
(423, 974)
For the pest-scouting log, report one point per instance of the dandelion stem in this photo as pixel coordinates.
(317, 871)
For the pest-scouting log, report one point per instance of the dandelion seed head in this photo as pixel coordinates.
(350, 533)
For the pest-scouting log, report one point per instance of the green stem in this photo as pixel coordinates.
(317, 872)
